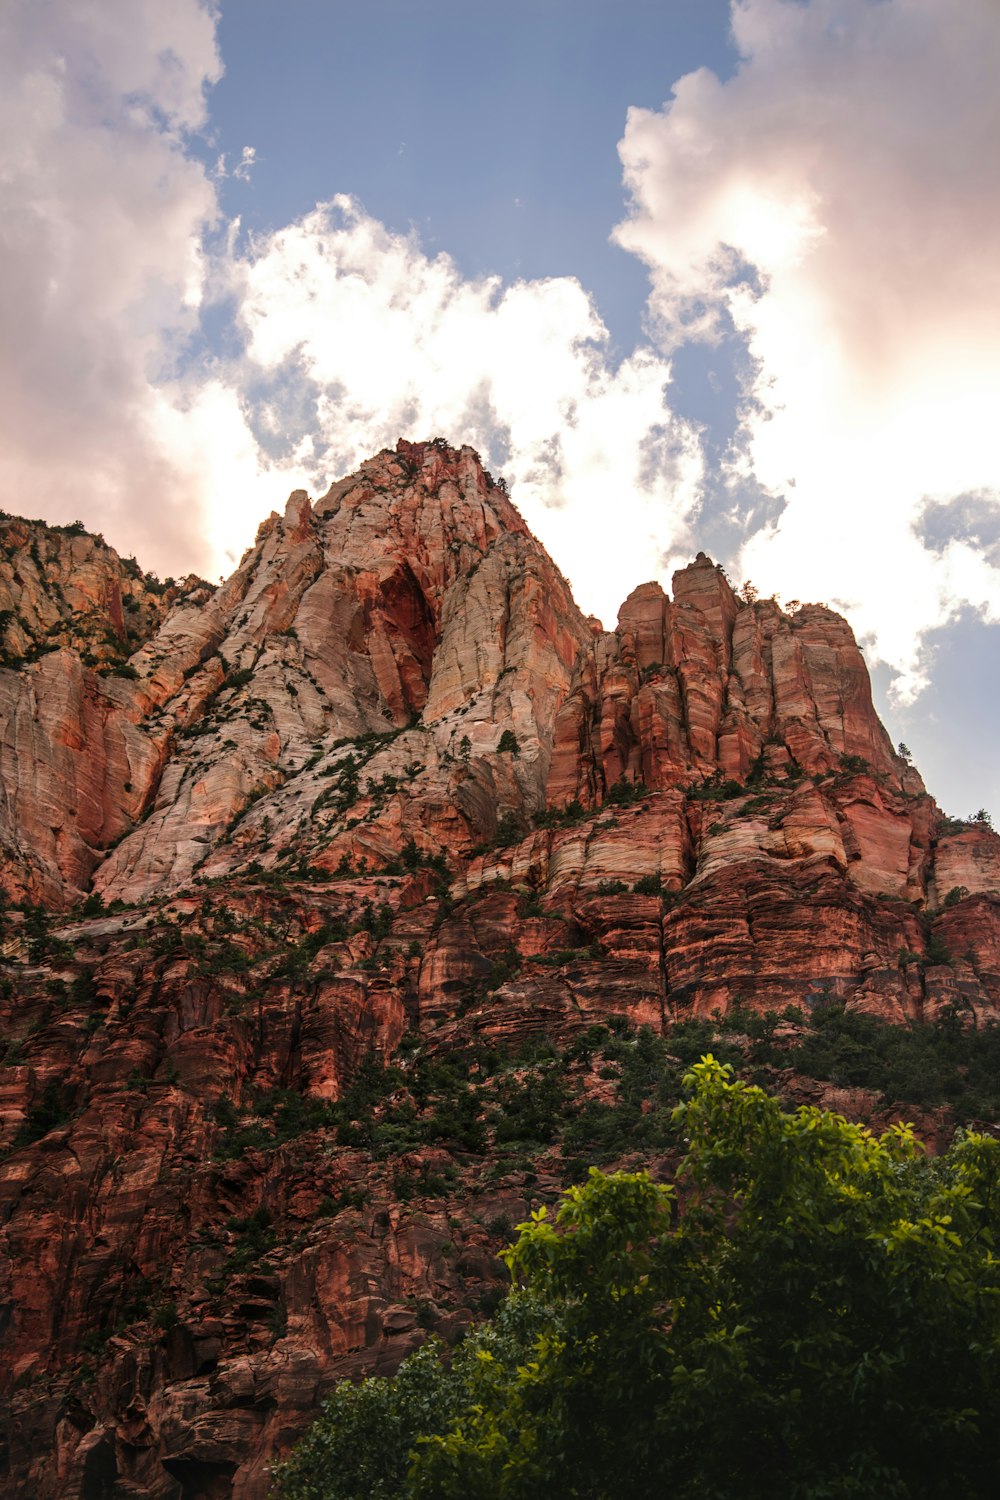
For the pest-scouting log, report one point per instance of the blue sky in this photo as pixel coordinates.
(492, 131)
(692, 275)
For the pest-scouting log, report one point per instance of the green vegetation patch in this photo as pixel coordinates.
(805, 1309)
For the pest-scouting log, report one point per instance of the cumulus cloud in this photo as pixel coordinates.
(103, 212)
(114, 409)
(388, 341)
(838, 201)
(835, 202)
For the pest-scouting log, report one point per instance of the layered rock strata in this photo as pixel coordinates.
(385, 799)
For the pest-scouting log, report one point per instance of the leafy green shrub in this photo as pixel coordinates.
(715, 789)
(503, 967)
(456, 1119)
(936, 951)
(817, 1314)
(255, 1237)
(623, 793)
(49, 1113)
(508, 831)
(944, 1062)
(347, 1198)
(563, 817)
(360, 1446)
(165, 1315)
(529, 1107)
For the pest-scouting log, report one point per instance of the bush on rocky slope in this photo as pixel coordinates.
(809, 1310)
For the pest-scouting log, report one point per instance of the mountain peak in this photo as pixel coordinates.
(385, 812)
(412, 600)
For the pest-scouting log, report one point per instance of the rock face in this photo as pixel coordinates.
(77, 759)
(60, 586)
(704, 684)
(385, 799)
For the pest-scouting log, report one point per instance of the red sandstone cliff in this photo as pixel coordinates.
(384, 794)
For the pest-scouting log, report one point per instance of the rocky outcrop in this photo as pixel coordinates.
(409, 612)
(412, 592)
(62, 587)
(708, 684)
(373, 841)
(77, 759)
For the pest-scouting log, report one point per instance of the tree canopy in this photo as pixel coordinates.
(808, 1311)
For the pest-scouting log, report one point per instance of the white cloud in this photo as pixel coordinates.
(392, 342)
(837, 198)
(355, 335)
(102, 216)
(246, 164)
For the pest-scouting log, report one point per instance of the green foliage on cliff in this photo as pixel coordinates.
(944, 1062)
(808, 1311)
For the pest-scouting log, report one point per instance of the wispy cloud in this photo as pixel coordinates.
(246, 163)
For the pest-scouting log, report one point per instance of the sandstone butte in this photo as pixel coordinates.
(384, 794)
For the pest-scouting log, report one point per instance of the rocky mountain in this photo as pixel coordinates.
(346, 900)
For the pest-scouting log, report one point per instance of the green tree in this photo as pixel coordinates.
(808, 1311)
(360, 1447)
